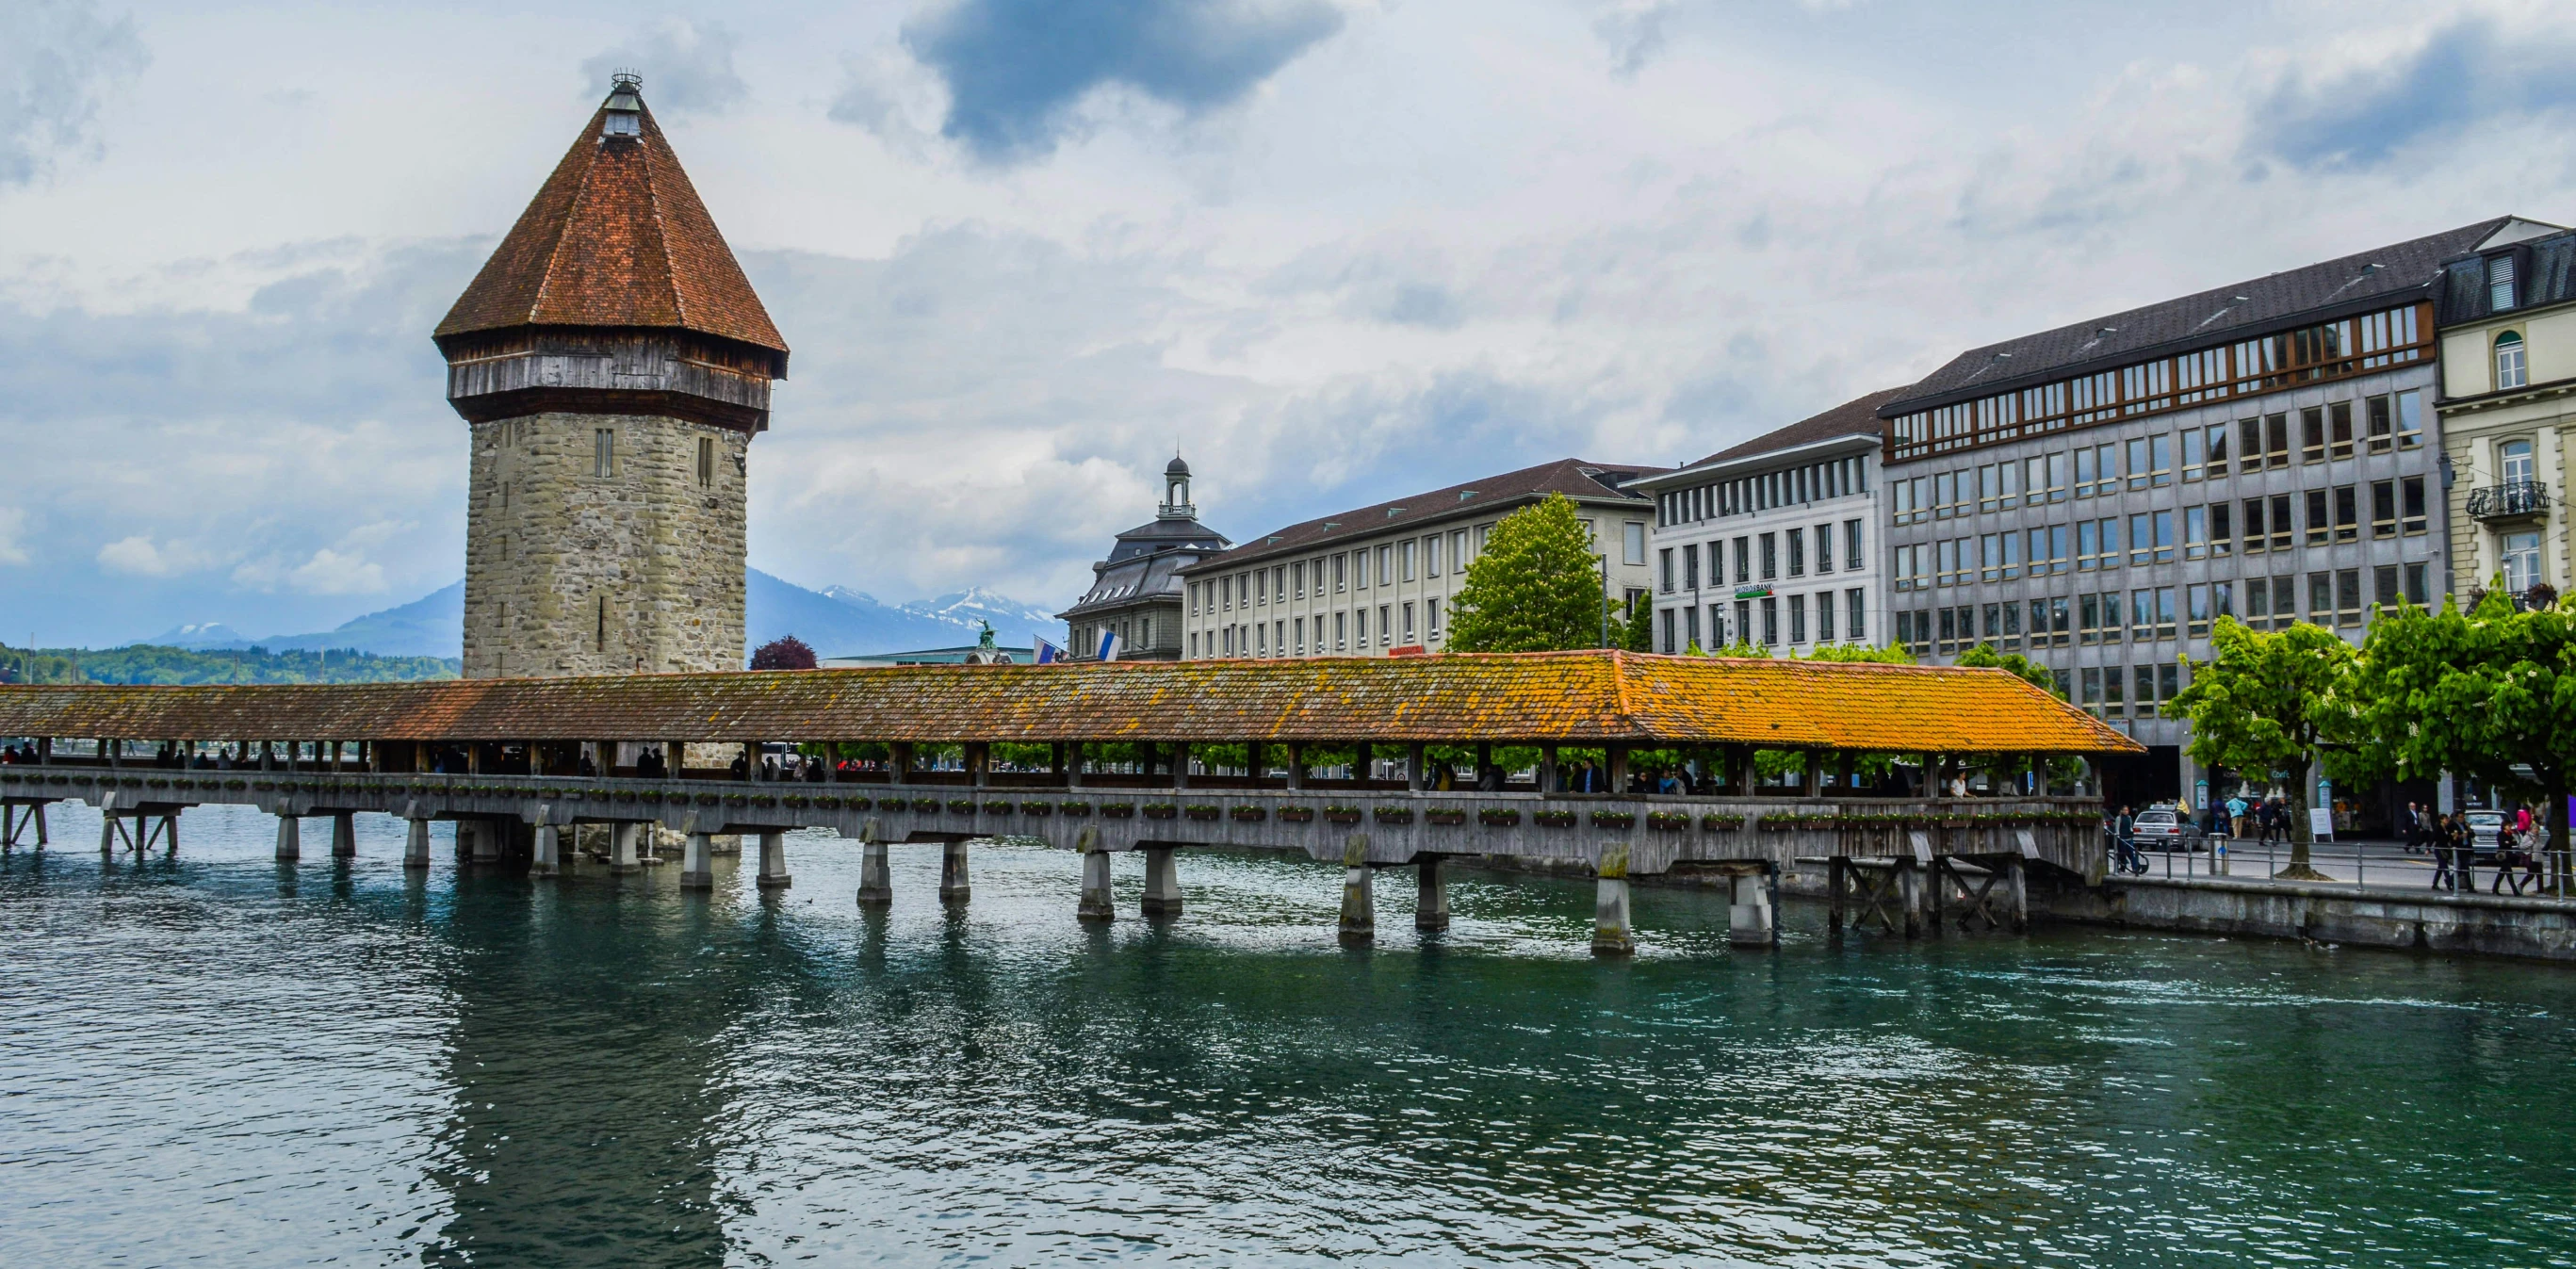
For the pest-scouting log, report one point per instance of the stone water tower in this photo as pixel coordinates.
(613, 365)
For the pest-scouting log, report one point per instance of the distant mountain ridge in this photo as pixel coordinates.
(836, 621)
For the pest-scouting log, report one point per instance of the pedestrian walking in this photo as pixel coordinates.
(2121, 829)
(2443, 878)
(2410, 825)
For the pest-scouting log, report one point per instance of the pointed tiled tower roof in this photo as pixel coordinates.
(616, 238)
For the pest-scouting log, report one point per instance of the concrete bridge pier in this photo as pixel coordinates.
(622, 846)
(344, 835)
(1610, 913)
(1096, 903)
(290, 837)
(416, 844)
(697, 871)
(1431, 906)
(773, 861)
(1359, 909)
(876, 879)
(952, 874)
(1162, 883)
(546, 859)
(1753, 909)
(487, 842)
(16, 819)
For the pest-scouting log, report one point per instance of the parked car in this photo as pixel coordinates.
(2167, 828)
(2486, 835)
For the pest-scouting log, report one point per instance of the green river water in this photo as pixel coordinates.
(224, 1060)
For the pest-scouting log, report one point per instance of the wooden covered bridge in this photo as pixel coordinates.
(1631, 764)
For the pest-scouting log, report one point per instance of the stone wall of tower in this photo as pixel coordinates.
(569, 570)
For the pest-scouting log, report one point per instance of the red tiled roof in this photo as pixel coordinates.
(616, 237)
(1572, 697)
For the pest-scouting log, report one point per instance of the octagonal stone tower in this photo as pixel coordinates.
(613, 365)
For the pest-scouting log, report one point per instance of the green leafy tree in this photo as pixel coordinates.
(1984, 656)
(1640, 632)
(1536, 588)
(1892, 654)
(2490, 693)
(2268, 701)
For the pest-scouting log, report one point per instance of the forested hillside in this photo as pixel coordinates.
(149, 663)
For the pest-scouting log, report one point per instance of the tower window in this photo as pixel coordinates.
(706, 460)
(603, 452)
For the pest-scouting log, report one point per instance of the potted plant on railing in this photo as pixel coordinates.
(1668, 821)
(962, 806)
(1395, 815)
(1249, 814)
(1721, 823)
(1160, 810)
(1296, 815)
(1614, 819)
(925, 804)
(1553, 817)
(1037, 808)
(1445, 815)
(1200, 811)
(998, 806)
(1118, 810)
(1499, 816)
(1074, 808)
(1342, 814)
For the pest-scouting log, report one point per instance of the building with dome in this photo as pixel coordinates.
(1135, 594)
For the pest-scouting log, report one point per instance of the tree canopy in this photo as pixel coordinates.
(2266, 701)
(786, 652)
(2490, 694)
(1536, 587)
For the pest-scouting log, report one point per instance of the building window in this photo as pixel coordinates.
(1359, 629)
(2383, 586)
(2339, 429)
(2514, 462)
(2410, 502)
(2380, 423)
(2410, 419)
(1743, 554)
(1690, 567)
(1664, 568)
(1797, 619)
(1690, 627)
(1339, 582)
(2312, 434)
(603, 458)
(1666, 616)
(1431, 618)
(1851, 544)
(2499, 283)
(1797, 552)
(2321, 598)
(1408, 621)
(1385, 568)
(2416, 591)
(1431, 556)
(2347, 504)
(1300, 627)
(1635, 543)
(706, 460)
(1404, 559)
(1770, 557)
(1385, 627)
(1339, 642)
(2383, 508)
(1770, 622)
(1824, 548)
(1855, 615)
(2521, 562)
(2509, 368)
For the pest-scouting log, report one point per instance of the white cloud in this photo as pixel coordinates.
(57, 59)
(13, 523)
(136, 556)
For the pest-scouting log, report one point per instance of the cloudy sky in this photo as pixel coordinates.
(1330, 249)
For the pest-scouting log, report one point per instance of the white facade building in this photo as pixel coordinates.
(1380, 580)
(1775, 541)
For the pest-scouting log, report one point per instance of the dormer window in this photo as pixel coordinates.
(623, 123)
(2510, 372)
(2499, 283)
(624, 107)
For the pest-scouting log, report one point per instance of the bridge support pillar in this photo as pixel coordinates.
(487, 842)
(547, 857)
(773, 862)
(1752, 914)
(290, 837)
(622, 839)
(697, 871)
(1610, 916)
(1162, 883)
(1359, 908)
(1431, 906)
(1096, 903)
(344, 835)
(876, 880)
(16, 819)
(416, 844)
(953, 887)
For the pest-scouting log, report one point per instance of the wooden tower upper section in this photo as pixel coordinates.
(614, 294)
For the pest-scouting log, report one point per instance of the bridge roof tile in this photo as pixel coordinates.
(1569, 697)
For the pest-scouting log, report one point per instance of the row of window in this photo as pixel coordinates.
(603, 455)
(2326, 432)
(2150, 614)
(1763, 552)
(1348, 631)
(1758, 621)
(2328, 350)
(1789, 487)
(2210, 531)
(1428, 556)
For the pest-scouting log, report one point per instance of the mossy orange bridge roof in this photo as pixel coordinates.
(1566, 697)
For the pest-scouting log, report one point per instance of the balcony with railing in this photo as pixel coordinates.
(2512, 500)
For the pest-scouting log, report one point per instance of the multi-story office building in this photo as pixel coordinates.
(2099, 494)
(1380, 579)
(2508, 324)
(1136, 593)
(1774, 542)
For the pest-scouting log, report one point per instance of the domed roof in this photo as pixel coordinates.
(1177, 467)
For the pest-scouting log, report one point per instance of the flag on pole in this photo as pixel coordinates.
(1109, 645)
(1048, 653)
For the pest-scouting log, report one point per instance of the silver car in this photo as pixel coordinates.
(2486, 835)
(2164, 828)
